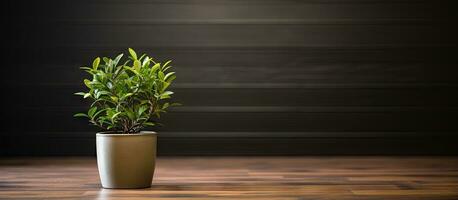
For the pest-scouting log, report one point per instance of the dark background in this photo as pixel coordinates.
(256, 77)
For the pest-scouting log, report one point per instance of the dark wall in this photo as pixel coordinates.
(269, 77)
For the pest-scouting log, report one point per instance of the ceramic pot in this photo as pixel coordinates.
(126, 160)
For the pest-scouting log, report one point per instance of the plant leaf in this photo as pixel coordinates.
(168, 75)
(141, 57)
(130, 114)
(126, 95)
(117, 59)
(132, 70)
(167, 93)
(133, 54)
(165, 86)
(115, 115)
(146, 62)
(80, 115)
(161, 75)
(95, 63)
(166, 68)
(141, 110)
(149, 123)
(98, 112)
(106, 60)
(87, 83)
(166, 63)
(137, 65)
(155, 67)
(170, 79)
(91, 112)
(115, 99)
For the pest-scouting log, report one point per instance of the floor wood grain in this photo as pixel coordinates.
(241, 178)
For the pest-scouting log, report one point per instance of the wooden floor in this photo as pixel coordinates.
(241, 178)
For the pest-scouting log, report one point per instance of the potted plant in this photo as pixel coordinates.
(126, 97)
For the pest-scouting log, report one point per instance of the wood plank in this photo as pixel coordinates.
(240, 178)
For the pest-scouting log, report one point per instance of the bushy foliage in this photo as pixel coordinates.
(127, 96)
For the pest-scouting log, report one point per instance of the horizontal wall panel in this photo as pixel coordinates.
(230, 9)
(256, 77)
(251, 134)
(440, 120)
(278, 57)
(62, 96)
(161, 22)
(235, 35)
(301, 72)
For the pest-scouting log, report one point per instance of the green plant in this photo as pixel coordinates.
(127, 97)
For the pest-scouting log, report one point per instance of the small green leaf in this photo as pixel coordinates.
(126, 95)
(146, 62)
(106, 60)
(133, 54)
(87, 95)
(87, 83)
(141, 57)
(80, 93)
(100, 93)
(115, 115)
(137, 65)
(166, 68)
(125, 63)
(91, 112)
(130, 114)
(164, 97)
(98, 112)
(96, 63)
(161, 75)
(95, 102)
(141, 110)
(168, 75)
(115, 99)
(166, 63)
(148, 124)
(80, 115)
(132, 70)
(155, 67)
(167, 93)
(171, 78)
(165, 86)
(117, 59)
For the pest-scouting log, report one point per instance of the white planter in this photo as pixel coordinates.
(126, 160)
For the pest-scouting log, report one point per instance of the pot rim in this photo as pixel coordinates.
(114, 134)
